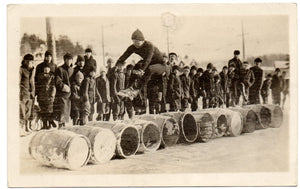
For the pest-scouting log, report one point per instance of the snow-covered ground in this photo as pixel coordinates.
(261, 151)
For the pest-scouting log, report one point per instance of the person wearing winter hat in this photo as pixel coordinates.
(254, 90)
(48, 62)
(153, 62)
(276, 87)
(236, 61)
(207, 85)
(175, 89)
(90, 62)
(27, 93)
(62, 103)
(78, 68)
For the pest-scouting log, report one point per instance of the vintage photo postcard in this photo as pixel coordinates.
(123, 95)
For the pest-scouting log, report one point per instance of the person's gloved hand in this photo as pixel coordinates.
(66, 88)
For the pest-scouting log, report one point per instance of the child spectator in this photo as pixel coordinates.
(266, 88)
(89, 94)
(232, 79)
(26, 83)
(224, 84)
(175, 88)
(186, 86)
(218, 94)
(154, 94)
(45, 92)
(117, 83)
(103, 96)
(76, 104)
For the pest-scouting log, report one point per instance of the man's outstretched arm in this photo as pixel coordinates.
(125, 55)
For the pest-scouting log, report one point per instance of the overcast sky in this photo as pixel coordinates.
(203, 38)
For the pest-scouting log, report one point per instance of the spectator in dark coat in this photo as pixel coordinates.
(76, 99)
(285, 87)
(175, 88)
(79, 67)
(232, 79)
(127, 101)
(254, 90)
(264, 92)
(154, 94)
(186, 87)
(89, 86)
(276, 87)
(199, 84)
(62, 103)
(90, 62)
(246, 80)
(47, 62)
(117, 84)
(193, 90)
(236, 62)
(224, 84)
(103, 96)
(207, 85)
(27, 92)
(45, 92)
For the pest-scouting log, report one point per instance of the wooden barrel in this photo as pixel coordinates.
(250, 119)
(263, 114)
(220, 121)
(150, 137)
(128, 137)
(60, 148)
(187, 125)
(205, 124)
(168, 126)
(234, 122)
(103, 142)
(276, 115)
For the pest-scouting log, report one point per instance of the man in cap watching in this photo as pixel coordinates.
(153, 62)
(90, 62)
(254, 90)
(236, 61)
(62, 102)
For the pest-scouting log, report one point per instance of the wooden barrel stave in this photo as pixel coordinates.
(103, 142)
(250, 119)
(150, 137)
(220, 121)
(205, 123)
(187, 125)
(276, 115)
(263, 113)
(168, 126)
(60, 148)
(128, 137)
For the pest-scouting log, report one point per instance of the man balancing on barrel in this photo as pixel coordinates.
(152, 63)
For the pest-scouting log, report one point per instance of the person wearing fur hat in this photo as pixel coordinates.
(254, 90)
(153, 61)
(90, 63)
(62, 102)
(27, 93)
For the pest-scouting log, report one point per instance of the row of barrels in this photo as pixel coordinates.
(98, 142)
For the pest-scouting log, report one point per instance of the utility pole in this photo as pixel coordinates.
(168, 43)
(103, 52)
(243, 41)
(50, 39)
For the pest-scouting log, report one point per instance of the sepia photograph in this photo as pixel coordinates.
(120, 95)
